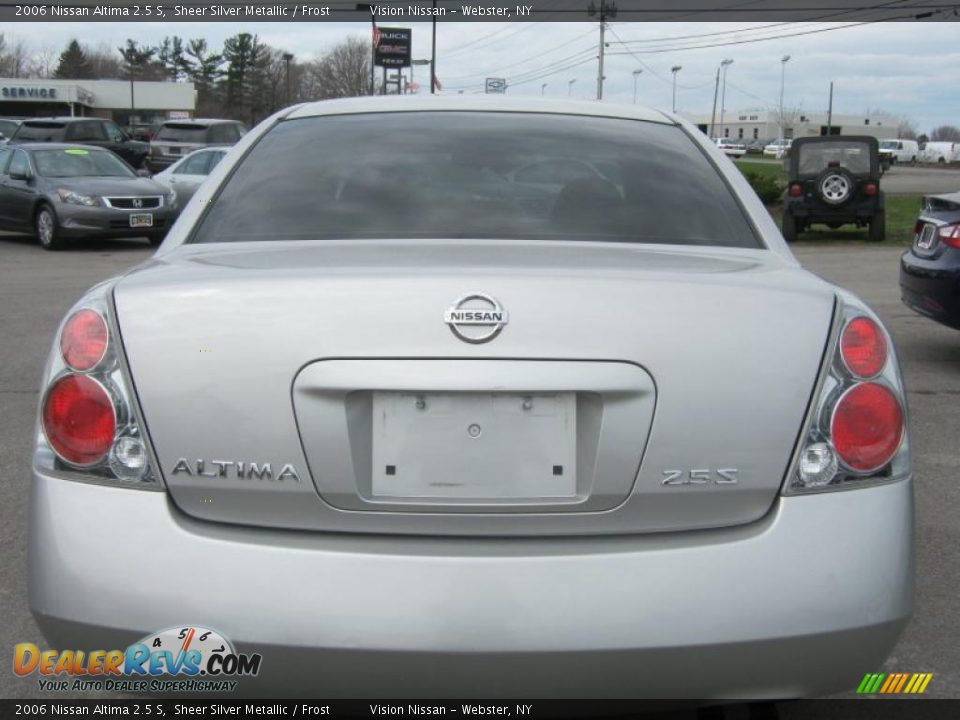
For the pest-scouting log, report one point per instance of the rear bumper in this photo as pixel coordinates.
(804, 602)
(931, 287)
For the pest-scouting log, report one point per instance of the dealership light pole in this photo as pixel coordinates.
(675, 69)
(783, 74)
(723, 95)
(570, 87)
(636, 75)
(287, 57)
(433, 52)
(543, 89)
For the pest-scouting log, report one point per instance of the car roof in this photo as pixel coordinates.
(199, 121)
(56, 146)
(477, 103)
(61, 119)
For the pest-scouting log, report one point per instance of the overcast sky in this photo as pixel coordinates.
(908, 69)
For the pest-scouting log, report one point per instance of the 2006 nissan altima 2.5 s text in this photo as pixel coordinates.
(451, 396)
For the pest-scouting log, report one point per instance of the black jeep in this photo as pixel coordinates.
(834, 180)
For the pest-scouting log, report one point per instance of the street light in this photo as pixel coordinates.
(636, 74)
(287, 57)
(723, 95)
(570, 87)
(675, 69)
(543, 89)
(783, 72)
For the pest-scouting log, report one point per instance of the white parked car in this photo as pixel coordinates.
(899, 151)
(777, 149)
(730, 147)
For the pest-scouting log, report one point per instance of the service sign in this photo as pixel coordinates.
(393, 47)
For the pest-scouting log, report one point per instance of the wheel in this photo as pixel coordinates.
(156, 238)
(835, 186)
(941, 161)
(878, 227)
(46, 228)
(789, 227)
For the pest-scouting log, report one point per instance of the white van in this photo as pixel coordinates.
(939, 151)
(900, 151)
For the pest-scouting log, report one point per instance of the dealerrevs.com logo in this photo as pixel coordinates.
(178, 659)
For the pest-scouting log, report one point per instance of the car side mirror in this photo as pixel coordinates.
(18, 175)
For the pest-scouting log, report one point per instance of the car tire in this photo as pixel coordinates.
(46, 228)
(878, 226)
(789, 227)
(835, 186)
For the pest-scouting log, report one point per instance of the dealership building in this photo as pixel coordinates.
(764, 124)
(21, 98)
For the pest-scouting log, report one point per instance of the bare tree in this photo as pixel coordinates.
(104, 62)
(14, 57)
(43, 61)
(948, 133)
(345, 70)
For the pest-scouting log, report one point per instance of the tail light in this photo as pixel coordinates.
(89, 424)
(870, 189)
(796, 190)
(950, 234)
(856, 430)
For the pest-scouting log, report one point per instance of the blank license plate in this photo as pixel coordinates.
(141, 220)
(474, 446)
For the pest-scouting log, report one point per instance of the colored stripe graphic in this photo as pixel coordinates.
(894, 683)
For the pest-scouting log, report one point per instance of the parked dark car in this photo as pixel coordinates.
(60, 191)
(930, 269)
(755, 147)
(176, 138)
(7, 128)
(835, 181)
(87, 131)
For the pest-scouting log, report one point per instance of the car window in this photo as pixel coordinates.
(80, 162)
(18, 163)
(114, 133)
(554, 172)
(225, 133)
(86, 131)
(453, 175)
(215, 158)
(43, 131)
(8, 128)
(182, 132)
(194, 165)
(4, 159)
(853, 156)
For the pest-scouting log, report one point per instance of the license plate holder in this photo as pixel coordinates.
(138, 220)
(495, 447)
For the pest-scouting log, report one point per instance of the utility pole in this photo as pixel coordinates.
(636, 74)
(287, 57)
(570, 87)
(723, 95)
(607, 10)
(433, 52)
(783, 74)
(830, 111)
(675, 69)
(543, 89)
(713, 115)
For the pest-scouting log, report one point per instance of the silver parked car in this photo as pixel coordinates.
(187, 174)
(60, 191)
(176, 138)
(408, 427)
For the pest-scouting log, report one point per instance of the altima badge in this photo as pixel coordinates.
(476, 318)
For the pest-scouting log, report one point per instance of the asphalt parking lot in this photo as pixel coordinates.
(37, 287)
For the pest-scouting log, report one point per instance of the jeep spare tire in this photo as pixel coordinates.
(835, 186)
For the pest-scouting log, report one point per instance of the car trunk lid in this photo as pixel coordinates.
(280, 381)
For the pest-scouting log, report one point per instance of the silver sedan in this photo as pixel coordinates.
(400, 425)
(189, 173)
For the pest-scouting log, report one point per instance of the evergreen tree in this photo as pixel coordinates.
(73, 64)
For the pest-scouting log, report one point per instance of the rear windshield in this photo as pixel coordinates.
(79, 162)
(183, 133)
(476, 175)
(41, 131)
(8, 127)
(889, 144)
(854, 156)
